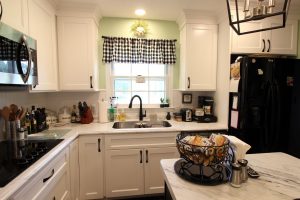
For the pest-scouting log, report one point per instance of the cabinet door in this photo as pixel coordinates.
(124, 172)
(284, 40)
(249, 43)
(42, 27)
(154, 182)
(77, 39)
(91, 167)
(74, 170)
(201, 57)
(60, 190)
(15, 14)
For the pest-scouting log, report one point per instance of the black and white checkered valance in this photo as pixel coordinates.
(137, 50)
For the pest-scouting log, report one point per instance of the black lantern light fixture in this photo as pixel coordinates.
(243, 11)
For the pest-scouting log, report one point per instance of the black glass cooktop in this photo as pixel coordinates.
(16, 156)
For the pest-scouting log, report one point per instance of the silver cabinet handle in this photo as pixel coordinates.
(46, 179)
(269, 46)
(141, 156)
(189, 83)
(146, 156)
(25, 76)
(91, 81)
(1, 12)
(99, 145)
(263, 50)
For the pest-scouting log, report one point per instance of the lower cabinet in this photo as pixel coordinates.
(74, 169)
(53, 182)
(132, 165)
(91, 167)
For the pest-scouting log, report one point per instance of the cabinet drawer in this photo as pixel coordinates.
(44, 181)
(132, 140)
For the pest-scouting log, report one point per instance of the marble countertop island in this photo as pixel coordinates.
(279, 180)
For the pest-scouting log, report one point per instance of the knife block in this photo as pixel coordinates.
(87, 117)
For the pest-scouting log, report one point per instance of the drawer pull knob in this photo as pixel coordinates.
(46, 179)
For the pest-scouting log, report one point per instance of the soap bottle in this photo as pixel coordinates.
(111, 113)
(168, 117)
(122, 116)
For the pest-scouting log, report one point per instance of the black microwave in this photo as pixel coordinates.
(18, 58)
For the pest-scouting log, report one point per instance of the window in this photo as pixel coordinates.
(155, 87)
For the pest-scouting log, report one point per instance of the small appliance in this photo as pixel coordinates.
(18, 58)
(205, 110)
(186, 114)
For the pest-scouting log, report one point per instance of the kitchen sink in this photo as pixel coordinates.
(141, 124)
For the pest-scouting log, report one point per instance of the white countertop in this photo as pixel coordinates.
(279, 179)
(94, 128)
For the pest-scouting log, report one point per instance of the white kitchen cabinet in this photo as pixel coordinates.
(198, 57)
(77, 47)
(91, 167)
(124, 172)
(52, 182)
(42, 27)
(15, 14)
(132, 162)
(74, 169)
(154, 182)
(278, 41)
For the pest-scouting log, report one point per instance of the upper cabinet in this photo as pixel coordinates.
(278, 41)
(15, 14)
(198, 57)
(42, 27)
(78, 53)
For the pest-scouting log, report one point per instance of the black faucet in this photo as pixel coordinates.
(141, 109)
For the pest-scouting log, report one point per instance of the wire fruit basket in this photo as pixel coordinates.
(205, 155)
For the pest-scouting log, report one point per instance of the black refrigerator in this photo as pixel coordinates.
(265, 110)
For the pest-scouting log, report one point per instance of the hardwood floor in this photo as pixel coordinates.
(145, 198)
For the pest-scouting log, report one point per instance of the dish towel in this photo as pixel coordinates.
(238, 146)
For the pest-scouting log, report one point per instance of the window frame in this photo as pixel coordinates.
(168, 84)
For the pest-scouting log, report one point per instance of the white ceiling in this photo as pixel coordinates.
(155, 9)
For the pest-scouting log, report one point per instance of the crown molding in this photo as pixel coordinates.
(79, 10)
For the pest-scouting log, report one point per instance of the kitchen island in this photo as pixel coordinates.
(279, 179)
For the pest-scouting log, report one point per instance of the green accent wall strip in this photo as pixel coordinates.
(121, 27)
(298, 39)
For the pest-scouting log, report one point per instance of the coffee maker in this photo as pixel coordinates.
(205, 110)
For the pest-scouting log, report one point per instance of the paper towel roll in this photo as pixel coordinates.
(102, 111)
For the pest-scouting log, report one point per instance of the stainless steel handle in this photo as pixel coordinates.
(46, 179)
(141, 156)
(146, 156)
(25, 76)
(189, 83)
(1, 12)
(91, 81)
(263, 50)
(269, 45)
(99, 145)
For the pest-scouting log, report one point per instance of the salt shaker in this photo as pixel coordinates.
(236, 175)
(244, 173)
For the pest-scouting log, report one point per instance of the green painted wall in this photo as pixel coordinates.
(120, 27)
(299, 39)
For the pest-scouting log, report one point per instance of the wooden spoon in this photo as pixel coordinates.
(5, 113)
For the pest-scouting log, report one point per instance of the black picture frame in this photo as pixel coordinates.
(187, 98)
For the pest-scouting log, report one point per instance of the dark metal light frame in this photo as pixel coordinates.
(239, 21)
